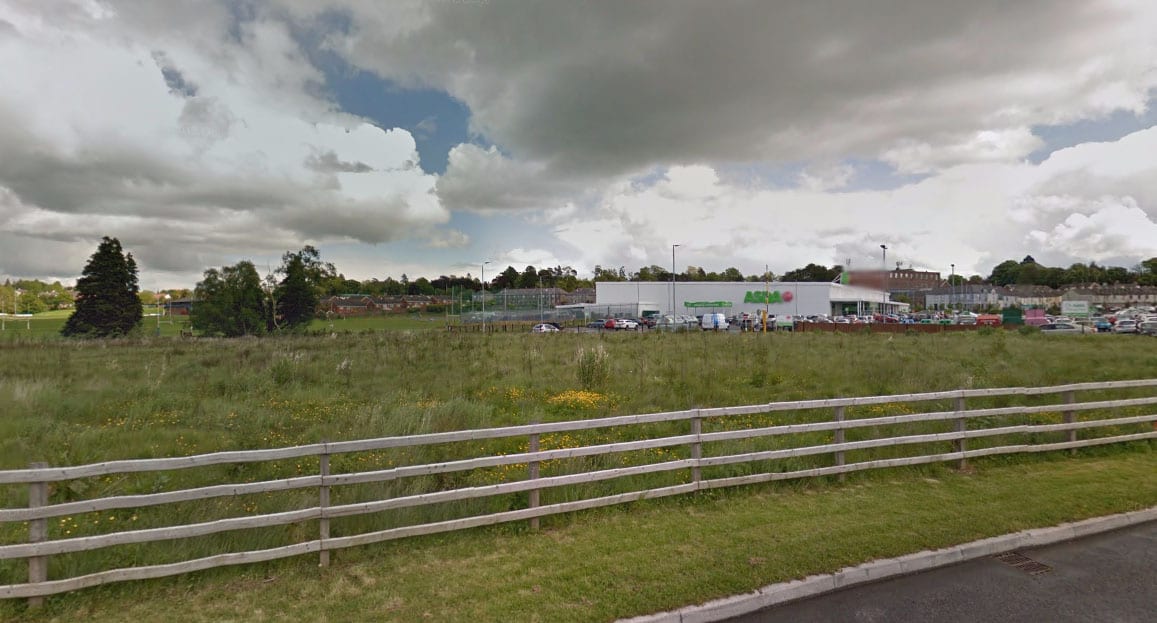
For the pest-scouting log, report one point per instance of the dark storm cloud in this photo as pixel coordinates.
(613, 87)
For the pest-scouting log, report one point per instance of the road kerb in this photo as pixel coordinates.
(877, 570)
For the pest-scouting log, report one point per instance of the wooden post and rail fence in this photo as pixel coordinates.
(698, 449)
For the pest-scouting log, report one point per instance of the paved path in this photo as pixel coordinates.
(1107, 577)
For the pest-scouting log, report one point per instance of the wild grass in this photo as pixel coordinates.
(72, 402)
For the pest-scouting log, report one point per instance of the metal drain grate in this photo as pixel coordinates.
(1024, 563)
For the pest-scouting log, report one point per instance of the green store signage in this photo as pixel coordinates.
(775, 296)
(707, 304)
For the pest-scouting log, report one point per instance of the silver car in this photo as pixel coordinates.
(1125, 326)
(1063, 328)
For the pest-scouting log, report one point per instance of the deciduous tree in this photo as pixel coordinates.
(231, 302)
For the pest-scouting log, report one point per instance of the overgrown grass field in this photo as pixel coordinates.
(47, 325)
(68, 402)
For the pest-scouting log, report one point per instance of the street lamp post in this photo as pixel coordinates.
(484, 296)
(884, 297)
(952, 286)
(673, 279)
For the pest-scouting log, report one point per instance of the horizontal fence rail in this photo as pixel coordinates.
(701, 451)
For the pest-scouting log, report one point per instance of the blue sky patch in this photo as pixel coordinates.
(1117, 125)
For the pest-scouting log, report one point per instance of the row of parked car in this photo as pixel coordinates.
(1139, 325)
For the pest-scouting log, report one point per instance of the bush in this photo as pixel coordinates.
(1028, 330)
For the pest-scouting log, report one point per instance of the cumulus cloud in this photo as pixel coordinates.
(206, 134)
(486, 180)
(448, 239)
(970, 215)
(826, 177)
(1111, 231)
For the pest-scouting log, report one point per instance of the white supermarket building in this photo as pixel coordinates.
(803, 298)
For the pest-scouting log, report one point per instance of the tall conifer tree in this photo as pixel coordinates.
(106, 294)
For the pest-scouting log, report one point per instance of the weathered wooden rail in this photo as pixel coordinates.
(38, 478)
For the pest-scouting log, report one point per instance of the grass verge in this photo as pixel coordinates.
(612, 563)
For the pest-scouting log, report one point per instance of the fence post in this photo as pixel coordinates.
(533, 497)
(1070, 417)
(323, 502)
(839, 438)
(37, 533)
(696, 447)
(961, 426)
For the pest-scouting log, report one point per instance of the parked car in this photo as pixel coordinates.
(966, 318)
(596, 324)
(989, 320)
(544, 328)
(1125, 326)
(1062, 328)
(625, 324)
(1102, 324)
(1149, 327)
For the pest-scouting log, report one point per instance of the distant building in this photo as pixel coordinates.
(179, 307)
(1031, 296)
(895, 281)
(906, 282)
(965, 296)
(1115, 296)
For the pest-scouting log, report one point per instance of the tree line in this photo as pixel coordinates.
(231, 301)
(235, 300)
(1028, 272)
(29, 296)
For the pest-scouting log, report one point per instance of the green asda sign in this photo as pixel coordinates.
(760, 296)
(707, 304)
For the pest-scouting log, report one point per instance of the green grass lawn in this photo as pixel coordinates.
(72, 402)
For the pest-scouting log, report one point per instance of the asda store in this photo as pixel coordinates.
(804, 298)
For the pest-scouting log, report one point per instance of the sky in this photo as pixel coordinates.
(426, 137)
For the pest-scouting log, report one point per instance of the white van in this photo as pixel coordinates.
(713, 322)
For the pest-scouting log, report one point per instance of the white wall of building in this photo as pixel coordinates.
(787, 298)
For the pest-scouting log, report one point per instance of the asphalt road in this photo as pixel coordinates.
(1107, 577)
